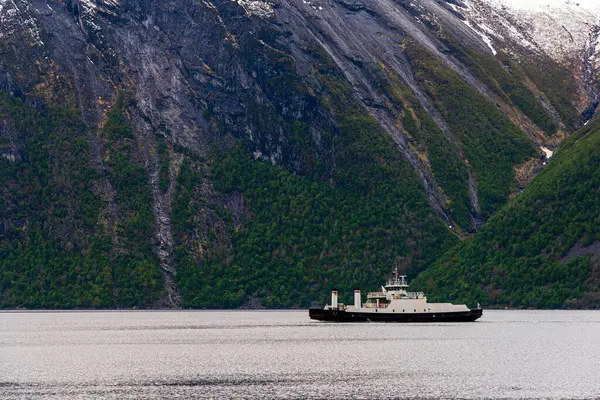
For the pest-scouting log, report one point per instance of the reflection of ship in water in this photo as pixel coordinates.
(394, 304)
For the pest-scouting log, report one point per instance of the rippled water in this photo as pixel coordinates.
(282, 354)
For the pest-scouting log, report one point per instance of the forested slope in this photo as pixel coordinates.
(540, 250)
(58, 249)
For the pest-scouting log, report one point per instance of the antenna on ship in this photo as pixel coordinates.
(400, 279)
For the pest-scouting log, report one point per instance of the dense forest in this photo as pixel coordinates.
(294, 237)
(286, 250)
(540, 250)
(56, 248)
(301, 235)
(492, 143)
(306, 237)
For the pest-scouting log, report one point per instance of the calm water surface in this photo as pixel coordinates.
(282, 354)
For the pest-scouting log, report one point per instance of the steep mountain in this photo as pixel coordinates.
(216, 154)
(561, 30)
(540, 250)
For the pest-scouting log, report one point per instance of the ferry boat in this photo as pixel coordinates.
(394, 304)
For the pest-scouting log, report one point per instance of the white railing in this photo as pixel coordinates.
(373, 295)
(396, 295)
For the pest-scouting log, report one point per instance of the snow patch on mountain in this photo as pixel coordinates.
(16, 16)
(533, 5)
(483, 36)
(558, 28)
(90, 7)
(257, 8)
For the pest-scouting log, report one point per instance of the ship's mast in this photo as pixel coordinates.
(397, 280)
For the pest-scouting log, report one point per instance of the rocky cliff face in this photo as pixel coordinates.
(357, 96)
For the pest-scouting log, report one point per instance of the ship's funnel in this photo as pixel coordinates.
(334, 299)
(357, 303)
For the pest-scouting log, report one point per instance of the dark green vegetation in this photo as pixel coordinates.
(530, 253)
(426, 138)
(507, 79)
(492, 144)
(303, 236)
(59, 250)
(557, 84)
(136, 273)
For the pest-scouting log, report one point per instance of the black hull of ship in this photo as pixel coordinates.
(356, 316)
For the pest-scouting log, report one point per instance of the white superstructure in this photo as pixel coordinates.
(394, 298)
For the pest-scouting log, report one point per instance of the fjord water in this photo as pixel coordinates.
(282, 354)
